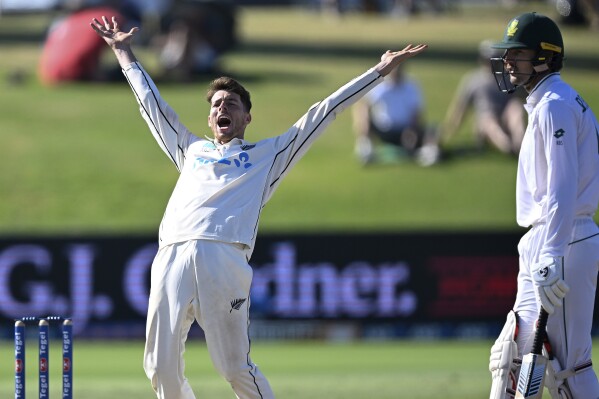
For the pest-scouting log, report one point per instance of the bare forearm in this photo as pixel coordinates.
(384, 67)
(124, 55)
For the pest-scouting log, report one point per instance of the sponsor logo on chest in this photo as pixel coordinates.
(237, 160)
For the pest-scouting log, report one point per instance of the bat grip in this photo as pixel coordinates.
(537, 345)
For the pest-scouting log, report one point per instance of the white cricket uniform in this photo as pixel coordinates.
(557, 193)
(208, 231)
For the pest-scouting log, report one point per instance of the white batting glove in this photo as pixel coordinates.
(549, 285)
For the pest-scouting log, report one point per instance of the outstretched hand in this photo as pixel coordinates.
(391, 59)
(112, 34)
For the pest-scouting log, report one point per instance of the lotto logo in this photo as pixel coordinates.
(243, 160)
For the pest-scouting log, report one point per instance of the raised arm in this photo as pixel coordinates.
(119, 42)
(171, 135)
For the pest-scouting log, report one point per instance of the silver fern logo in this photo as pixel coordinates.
(236, 304)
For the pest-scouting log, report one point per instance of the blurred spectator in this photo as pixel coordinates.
(331, 6)
(148, 15)
(411, 7)
(395, 8)
(196, 34)
(498, 117)
(189, 36)
(81, 59)
(338, 7)
(392, 114)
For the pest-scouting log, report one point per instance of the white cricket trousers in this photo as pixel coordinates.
(207, 281)
(569, 327)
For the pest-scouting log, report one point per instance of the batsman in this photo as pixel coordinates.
(557, 192)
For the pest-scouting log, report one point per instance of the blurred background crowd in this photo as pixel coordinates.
(189, 36)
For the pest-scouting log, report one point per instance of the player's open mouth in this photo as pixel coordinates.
(223, 122)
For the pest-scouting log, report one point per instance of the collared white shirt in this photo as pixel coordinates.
(222, 189)
(558, 166)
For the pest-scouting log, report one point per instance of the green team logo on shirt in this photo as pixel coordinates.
(559, 133)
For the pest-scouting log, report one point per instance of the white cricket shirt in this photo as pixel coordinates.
(222, 189)
(558, 166)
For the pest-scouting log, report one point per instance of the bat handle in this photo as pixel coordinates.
(537, 345)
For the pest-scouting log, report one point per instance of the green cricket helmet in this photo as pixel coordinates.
(532, 31)
(529, 31)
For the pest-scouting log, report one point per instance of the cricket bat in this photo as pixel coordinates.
(532, 373)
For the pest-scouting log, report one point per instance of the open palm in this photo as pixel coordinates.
(112, 34)
(391, 59)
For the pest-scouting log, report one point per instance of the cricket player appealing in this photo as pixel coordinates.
(207, 234)
(557, 192)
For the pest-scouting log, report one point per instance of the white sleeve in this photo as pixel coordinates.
(172, 136)
(294, 143)
(559, 131)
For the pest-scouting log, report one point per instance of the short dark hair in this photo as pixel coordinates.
(232, 86)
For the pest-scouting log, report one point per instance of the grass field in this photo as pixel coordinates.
(315, 370)
(78, 158)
